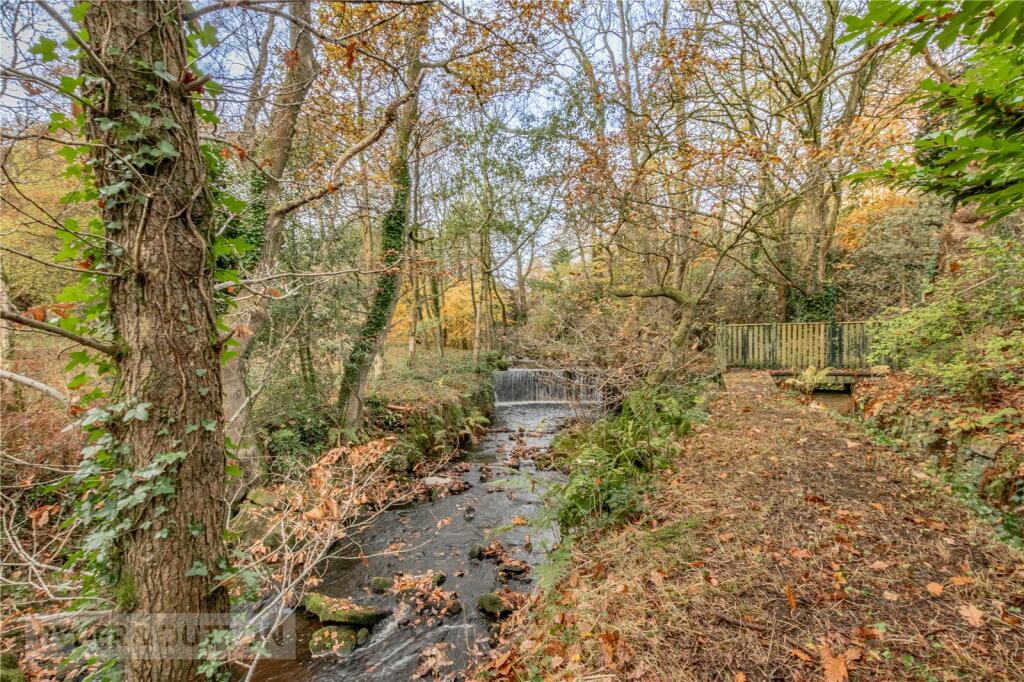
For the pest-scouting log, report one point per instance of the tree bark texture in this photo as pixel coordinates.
(158, 217)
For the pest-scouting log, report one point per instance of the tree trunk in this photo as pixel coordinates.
(250, 316)
(394, 234)
(163, 315)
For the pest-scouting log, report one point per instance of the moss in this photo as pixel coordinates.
(124, 593)
(341, 611)
(333, 639)
(493, 606)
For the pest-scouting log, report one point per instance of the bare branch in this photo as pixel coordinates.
(102, 347)
(35, 385)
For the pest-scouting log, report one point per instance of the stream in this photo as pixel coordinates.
(436, 535)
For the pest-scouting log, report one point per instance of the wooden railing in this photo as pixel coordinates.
(793, 345)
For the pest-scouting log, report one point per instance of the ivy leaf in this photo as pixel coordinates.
(208, 36)
(79, 11)
(232, 204)
(233, 470)
(139, 411)
(46, 48)
(198, 568)
(210, 424)
(166, 148)
(160, 69)
(68, 84)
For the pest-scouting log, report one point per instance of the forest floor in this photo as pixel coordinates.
(785, 545)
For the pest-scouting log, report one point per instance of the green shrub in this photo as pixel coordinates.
(970, 335)
(611, 461)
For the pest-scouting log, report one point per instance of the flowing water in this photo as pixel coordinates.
(531, 405)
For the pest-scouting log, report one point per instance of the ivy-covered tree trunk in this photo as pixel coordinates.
(394, 235)
(152, 181)
(251, 316)
(373, 331)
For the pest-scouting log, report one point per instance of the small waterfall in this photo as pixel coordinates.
(545, 386)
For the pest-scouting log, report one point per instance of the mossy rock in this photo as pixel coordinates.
(9, 671)
(256, 523)
(380, 584)
(342, 611)
(397, 463)
(262, 497)
(333, 639)
(362, 635)
(493, 606)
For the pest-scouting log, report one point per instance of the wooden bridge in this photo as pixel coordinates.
(794, 346)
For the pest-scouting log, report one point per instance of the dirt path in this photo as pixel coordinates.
(787, 547)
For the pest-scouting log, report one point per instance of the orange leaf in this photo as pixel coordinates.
(791, 598)
(935, 588)
(834, 667)
(518, 521)
(801, 654)
(608, 642)
(974, 616)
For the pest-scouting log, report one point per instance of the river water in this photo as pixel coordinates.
(436, 536)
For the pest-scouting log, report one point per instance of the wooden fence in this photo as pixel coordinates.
(793, 345)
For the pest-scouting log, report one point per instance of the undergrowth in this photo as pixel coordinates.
(611, 462)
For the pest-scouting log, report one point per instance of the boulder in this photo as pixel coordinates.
(493, 606)
(438, 578)
(253, 523)
(343, 611)
(333, 639)
(476, 551)
(436, 482)
(362, 635)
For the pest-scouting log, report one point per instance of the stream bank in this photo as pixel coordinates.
(443, 568)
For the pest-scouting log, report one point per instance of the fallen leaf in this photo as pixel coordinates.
(801, 654)
(879, 566)
(974, 616)
(834, 667)
(725, 537)
(891, 596)
(608, 642)
(740, 677)
(518, 521)
(961, 580)
(935, 588)
(791, 598)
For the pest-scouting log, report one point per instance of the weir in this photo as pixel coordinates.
(520, 386)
